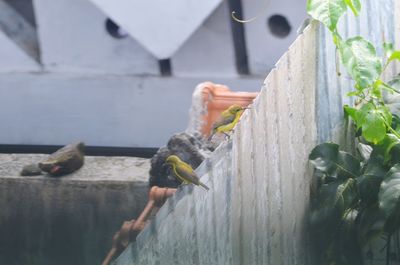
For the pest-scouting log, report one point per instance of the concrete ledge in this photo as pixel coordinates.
(67, 220)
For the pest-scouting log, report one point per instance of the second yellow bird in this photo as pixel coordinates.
(227, 121)
(183, 171)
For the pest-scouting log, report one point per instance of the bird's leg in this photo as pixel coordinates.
(226, 135)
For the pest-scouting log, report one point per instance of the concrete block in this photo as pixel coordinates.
(270, 35)
(160, 26)
(67, 220)
(73, 38)
(209, 50)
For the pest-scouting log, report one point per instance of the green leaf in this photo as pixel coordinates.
(374, 166)
(395, 56)
(373, 122)
(368, 186)
(360, 59)
(364, 150)
(348, 250)
(332, 202)
(392, 101)
(373, 128)
(354, 5)
(370, 181)
(326, 11)
(354, 93)
(395, 154)
(390, 52)
(327, 158)
(386, 114)
(389, 195)
(388, 48)
(352, 112)
(385, 147)
(370, 224)
(396, 123)
(377, 88)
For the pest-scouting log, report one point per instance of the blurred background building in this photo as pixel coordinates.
(121, 73)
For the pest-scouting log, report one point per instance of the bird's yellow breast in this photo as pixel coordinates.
(230, 126)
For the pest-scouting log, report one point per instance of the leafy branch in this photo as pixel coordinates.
(358, 199)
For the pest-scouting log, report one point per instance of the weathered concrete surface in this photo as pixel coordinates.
(256, 210)
(71, 219)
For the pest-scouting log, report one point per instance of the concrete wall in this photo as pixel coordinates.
(256, 211)
(67, 220)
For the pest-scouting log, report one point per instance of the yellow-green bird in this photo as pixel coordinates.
(183, 171)
(227, 121)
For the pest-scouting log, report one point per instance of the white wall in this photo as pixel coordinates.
(107, 110)
(73, 38)
(88, 85)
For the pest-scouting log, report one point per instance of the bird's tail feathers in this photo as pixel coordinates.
(204, 186)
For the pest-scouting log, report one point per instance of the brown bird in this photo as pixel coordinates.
(65, 160)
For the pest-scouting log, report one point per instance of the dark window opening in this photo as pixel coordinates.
(165, 67)
(279, 26)
(114, 30)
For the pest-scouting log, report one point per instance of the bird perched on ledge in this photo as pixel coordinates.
(227, 121)
(183, 171)
(65, 161)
